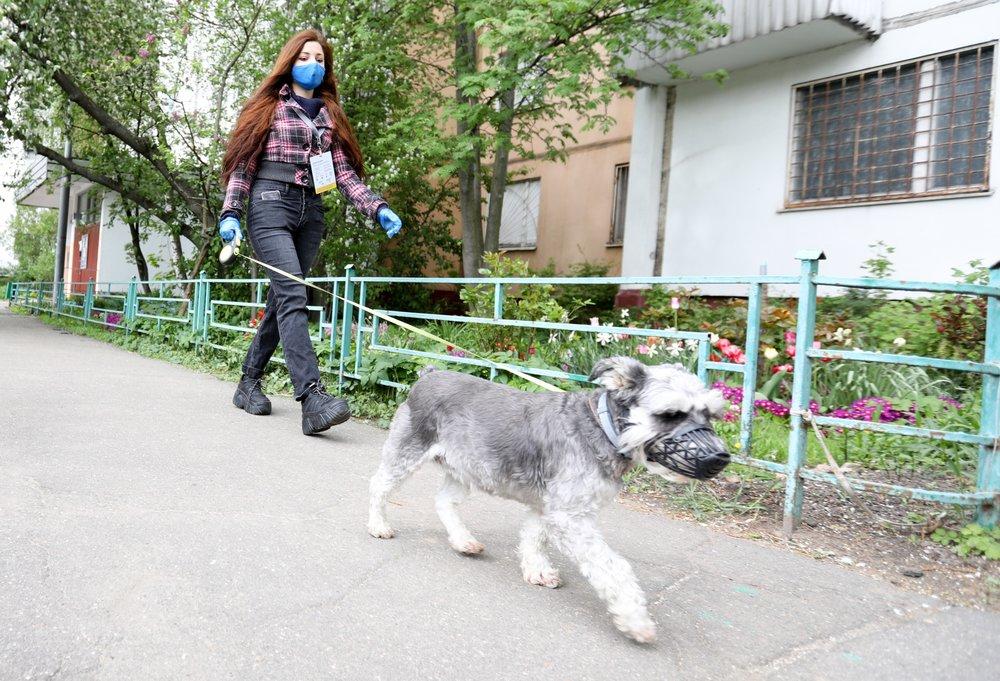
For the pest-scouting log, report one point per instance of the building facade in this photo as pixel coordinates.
(841, 123)
(98, 243)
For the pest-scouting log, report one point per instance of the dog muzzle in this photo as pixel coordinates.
(693, 450)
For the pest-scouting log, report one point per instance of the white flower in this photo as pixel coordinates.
(841, 335)
(770, 353)
(899, 342)
(713, 338)
(653, 351)
(690, 343)
(553, 337)
(594, 321)
(603, 338)
(849, 341)
(674, 349)
(624, 313)
(572, 335)
(569, 354)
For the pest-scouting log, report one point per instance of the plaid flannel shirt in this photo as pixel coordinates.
(291, 141)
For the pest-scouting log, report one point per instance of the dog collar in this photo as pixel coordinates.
(606, 420)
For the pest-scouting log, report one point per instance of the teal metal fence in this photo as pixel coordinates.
(346, 330)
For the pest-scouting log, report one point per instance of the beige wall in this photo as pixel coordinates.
(574, 222)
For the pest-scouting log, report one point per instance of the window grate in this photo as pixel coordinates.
(914, 129)
(617, 235)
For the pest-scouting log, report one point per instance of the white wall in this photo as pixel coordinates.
(642, 214)
(115, 239)
(728, 173)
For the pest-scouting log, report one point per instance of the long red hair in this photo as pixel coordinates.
(250, 132)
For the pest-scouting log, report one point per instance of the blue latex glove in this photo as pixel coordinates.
(390, 221)
(229, 229)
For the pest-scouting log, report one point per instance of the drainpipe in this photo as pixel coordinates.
(61, 225)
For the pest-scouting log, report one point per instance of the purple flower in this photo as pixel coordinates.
(150, 38)
(950, 401)
(144, 53)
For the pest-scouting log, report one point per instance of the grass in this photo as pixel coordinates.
(377, 403)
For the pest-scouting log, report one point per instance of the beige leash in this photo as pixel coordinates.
(409, 327)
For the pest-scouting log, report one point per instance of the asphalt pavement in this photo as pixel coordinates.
(150, 530)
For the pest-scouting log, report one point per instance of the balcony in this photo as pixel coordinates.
(766, 30)
(39, 184)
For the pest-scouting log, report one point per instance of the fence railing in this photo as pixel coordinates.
(167, 303)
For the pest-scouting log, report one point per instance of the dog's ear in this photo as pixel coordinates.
(624, 375)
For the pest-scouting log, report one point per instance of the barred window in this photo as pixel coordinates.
(920, 128)
(618, 205)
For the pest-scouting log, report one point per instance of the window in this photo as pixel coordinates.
(618, 205)
(83, 247)
(919, 128)
(519, 219)
(88, 207)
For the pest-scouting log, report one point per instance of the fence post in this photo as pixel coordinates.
(805, 328)
(130, 302)
(206, 304)
(358, 344)
(194, 307)
(752, 348)
(88, 301)
(345, 328)
(498, 301)
(334, 318)
(988, 476)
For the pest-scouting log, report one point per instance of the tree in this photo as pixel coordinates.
(148, 90)
(525, 71)
(31, 236)
(118, 76)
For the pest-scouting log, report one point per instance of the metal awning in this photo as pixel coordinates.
(765, 30)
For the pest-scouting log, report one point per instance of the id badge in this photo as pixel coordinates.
(323, 174)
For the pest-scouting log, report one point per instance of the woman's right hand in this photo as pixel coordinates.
(229, 229)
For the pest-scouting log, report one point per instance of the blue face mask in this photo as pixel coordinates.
(308, 75)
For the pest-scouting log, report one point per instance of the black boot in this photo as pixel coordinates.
(250, 398)
(320, 410)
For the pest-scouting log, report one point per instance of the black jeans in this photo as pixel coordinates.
(285, 226)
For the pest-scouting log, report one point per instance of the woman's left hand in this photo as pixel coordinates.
(390, 221)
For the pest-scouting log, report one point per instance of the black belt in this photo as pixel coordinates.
(282, 172)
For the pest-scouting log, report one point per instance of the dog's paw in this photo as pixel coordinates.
(468, 547)
(547, 578)
(380, 531)
(638, 627)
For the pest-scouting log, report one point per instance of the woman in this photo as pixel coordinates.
(291, 128)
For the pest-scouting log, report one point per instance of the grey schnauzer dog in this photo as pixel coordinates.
(561, 454)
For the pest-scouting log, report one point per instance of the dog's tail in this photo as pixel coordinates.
(426, 370)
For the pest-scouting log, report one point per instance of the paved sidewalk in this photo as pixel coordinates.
(149, 530)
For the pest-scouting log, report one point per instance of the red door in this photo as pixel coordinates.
(85, 241)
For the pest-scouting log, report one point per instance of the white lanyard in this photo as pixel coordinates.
(323, 174)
